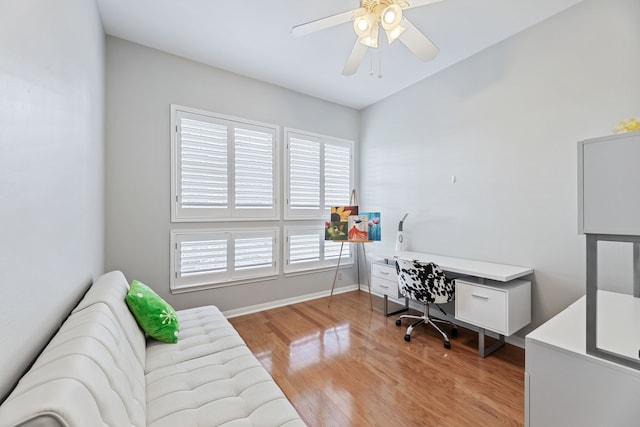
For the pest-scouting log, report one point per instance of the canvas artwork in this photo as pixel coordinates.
(335, 230)
(358, 228)
(341, 213)
(373, 223)
(337, 227)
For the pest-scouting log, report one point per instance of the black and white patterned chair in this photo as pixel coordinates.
(425, 282)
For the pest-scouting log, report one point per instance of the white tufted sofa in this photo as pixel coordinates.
(99, 371)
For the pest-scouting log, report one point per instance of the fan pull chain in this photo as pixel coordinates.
(371, 65)
(371, 72)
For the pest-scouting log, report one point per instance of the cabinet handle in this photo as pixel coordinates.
(384, 272)
(384, 286)
(480, 296)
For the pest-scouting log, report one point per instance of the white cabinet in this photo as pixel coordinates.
(565, 386)
(499, 307)
(384, 280)
(608, 182)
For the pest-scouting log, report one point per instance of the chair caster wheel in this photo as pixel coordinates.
(454, 332)
(447, 345)
(398, 322)
(407, 338)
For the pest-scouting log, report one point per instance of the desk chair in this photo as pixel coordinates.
(425, 282)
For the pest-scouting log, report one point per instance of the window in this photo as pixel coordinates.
(307, 250)
(210, 258)
(223, 168)
(226, 169)
(319, 174)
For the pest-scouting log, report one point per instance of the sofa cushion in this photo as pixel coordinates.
(210, 377)
(203, 331)
(87, 375)
(154, 315)
(110, 289)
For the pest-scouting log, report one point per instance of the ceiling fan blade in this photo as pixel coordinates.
(417, 43)
(357, 54)
(329, 21)
(418, 3)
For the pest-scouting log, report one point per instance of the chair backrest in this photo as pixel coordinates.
(424, 282)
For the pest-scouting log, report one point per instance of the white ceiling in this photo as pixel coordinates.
(252, 38)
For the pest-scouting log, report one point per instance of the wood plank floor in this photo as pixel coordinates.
(346, 365)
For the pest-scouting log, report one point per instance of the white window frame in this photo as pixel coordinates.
(323, 210)
(230, 212)
(322, 263)
(232, 275)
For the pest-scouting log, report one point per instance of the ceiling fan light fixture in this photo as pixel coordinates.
(394, 33)
(363, 25)
(391, 17)
(371, 39)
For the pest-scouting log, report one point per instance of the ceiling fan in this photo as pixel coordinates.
(366, 22)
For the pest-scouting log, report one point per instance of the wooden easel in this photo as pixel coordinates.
(353, 201)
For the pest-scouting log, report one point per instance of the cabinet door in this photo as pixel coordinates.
(481, 306)
(384, 280)
(609, 184)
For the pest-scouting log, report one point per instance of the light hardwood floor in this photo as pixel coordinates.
(347, 365)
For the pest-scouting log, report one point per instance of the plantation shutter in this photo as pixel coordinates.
(304, 248)
(223, 169)
(254, 169)
(337, 175)
(201, 258)
(307, 250)
(254, 254)
(332, 250)
(203, 172)
(319, 174)
(210, 258)
(304, 176)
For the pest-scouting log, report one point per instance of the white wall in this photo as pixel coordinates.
(51, 169)
(506, 123)
(141, 85)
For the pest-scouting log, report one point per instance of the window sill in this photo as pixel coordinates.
(204, 287)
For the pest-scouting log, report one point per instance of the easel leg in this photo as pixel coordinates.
(358, 265)
(366, 266)
(335, 277)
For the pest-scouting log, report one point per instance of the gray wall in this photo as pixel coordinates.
(506, 123)
(51, 169)
(141, 85)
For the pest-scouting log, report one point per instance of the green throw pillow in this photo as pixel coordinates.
(157, 318)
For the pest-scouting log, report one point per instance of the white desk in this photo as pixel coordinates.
(469, 267)
(490, 298)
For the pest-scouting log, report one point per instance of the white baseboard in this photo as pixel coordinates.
(287, 301)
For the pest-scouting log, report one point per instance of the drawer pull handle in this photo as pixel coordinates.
(480, 296)
(384, 286)
(386, 273)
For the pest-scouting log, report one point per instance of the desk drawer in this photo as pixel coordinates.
(481, 306)
(384, 271)
(385, 287)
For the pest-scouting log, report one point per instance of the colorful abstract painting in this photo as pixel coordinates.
(358, 228)
(337, 226)
(341, 213)
(335, 230)
(373, 223)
